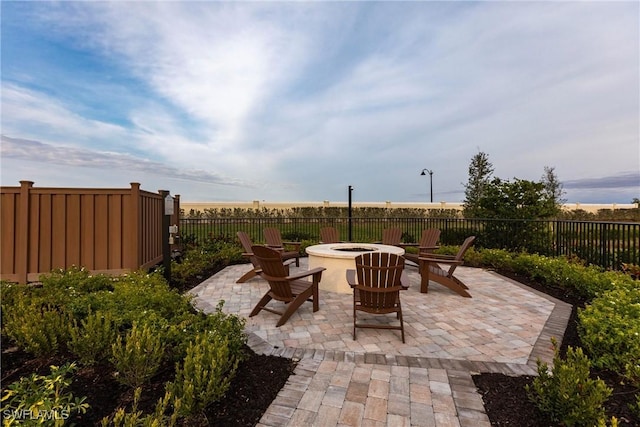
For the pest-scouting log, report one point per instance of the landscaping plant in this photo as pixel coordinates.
(567, 394)
(38, 329)
(609, 329)
(92, 338)
(138, 356)
(205, 374)
(41, 399)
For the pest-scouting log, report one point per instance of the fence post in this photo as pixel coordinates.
(22, 235)
(134, 260)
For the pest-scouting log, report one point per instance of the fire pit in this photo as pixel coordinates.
(337, 258)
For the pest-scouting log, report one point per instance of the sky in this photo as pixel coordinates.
(296, 101)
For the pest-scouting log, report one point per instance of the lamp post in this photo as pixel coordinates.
(430, 180)
(350, 225)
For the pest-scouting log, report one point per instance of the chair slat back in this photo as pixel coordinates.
(246, 243)
(391, 236)
(329, 235)
(460, 255)
(379, 275)
(430, 237)
(272, 266)
(273, 237)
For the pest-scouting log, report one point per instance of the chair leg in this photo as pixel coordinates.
(260, 305)
(292, 307)
(316, 297)
(401, 322)
(354, 320)
(247, 276)
(424, 276)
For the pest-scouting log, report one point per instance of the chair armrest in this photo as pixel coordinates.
(428, 248)
(409, 245)
(306, 273)
(404, 279)
(441, 259)
(351, 277)
(353, 282)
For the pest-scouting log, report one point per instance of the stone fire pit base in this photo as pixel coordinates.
(337, 258)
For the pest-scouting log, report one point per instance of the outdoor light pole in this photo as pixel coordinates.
(350, 225)
(430, 180)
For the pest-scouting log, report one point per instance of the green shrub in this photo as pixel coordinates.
(568, 395)
(39, 330)
(76, 280)
(229, 326)
(194, 262)
(205, 374)
(138, 357)
(603, 423)
(92, 338)
(41, 400)
(135, 418)
(136, 297)
(609, 329)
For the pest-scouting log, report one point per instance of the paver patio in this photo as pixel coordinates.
(378, 380)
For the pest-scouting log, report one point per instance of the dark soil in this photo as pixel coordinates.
(259, 379)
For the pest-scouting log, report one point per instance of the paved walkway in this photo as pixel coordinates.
(377, 380)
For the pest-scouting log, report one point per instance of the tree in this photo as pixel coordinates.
(480, 171)
(513, 207)
(553, 190)
(518, 199)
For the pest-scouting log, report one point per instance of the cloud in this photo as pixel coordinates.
(22, 149)
(629, 180)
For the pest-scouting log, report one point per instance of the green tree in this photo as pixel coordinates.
(517, 199)
(509, 202)
(480, 171)
(553, 189)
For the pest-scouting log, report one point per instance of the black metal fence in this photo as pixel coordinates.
(607, 244)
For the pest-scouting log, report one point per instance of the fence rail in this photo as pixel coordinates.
(607, 244)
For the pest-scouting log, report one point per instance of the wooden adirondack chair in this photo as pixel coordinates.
(329, 235)
(428, 243)
(430, 270)
(293, 290)
(274, 240)
(377, 282)
(391, 236)
(246, 243)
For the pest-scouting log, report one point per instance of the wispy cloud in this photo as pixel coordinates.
(624, 180)
(22, 149)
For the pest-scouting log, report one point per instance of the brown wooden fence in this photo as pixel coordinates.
(103, 230)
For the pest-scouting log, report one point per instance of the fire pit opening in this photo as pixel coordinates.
(354, 249)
